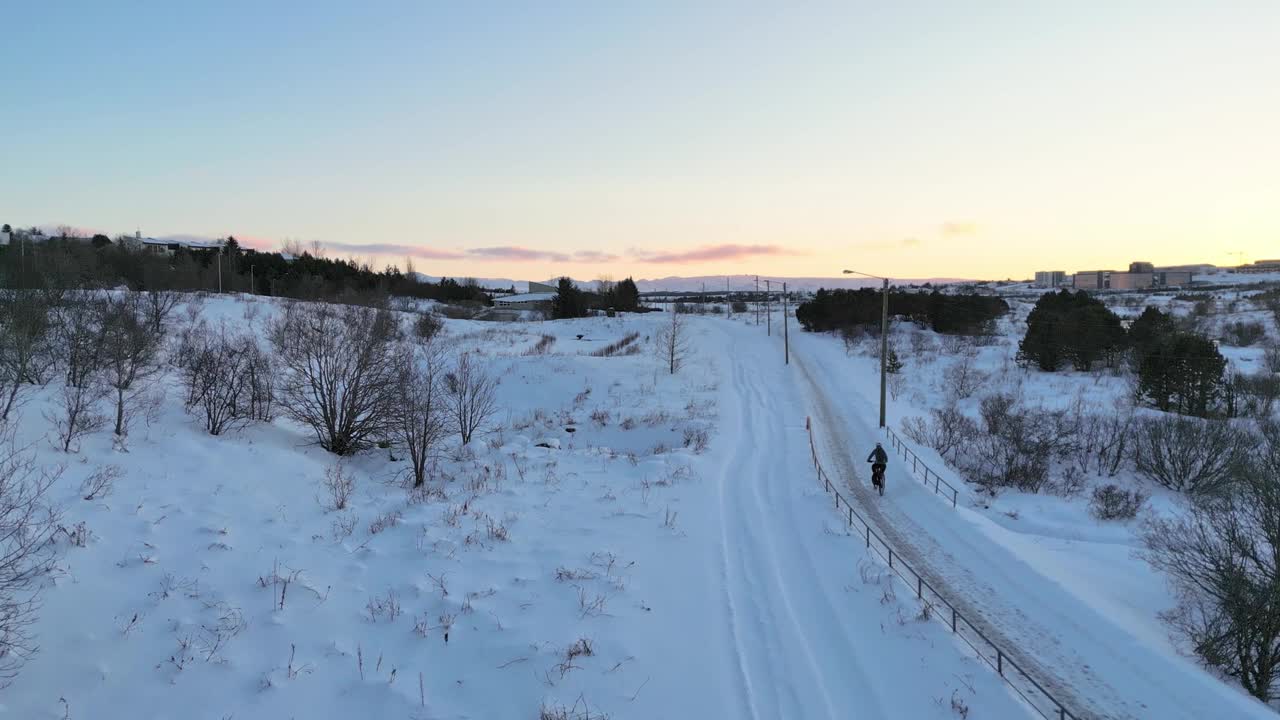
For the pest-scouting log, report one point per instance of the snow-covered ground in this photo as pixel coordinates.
(707, 581)
(1069, 590)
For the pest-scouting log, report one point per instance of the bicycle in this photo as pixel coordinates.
(877, 476)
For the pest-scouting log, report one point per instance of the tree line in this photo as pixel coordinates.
(835, 310)
(71, 262)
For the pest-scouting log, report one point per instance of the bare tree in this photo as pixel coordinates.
(963, 378)
(130, 350)
(673, 343)
(1221, 557)
(420, 414)
(25, 345)
(78, 332)
(1188, 454)
(471, 396)
(29, 522)
(339, 374)
(219, 377)
(158, 304)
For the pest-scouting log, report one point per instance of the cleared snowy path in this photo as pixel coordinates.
(805, 638)
(1091, 663)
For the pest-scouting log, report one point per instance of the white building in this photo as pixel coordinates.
(538, 296)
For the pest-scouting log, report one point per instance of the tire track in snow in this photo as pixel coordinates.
(795, 617)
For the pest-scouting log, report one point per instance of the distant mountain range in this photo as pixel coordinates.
(716, 283)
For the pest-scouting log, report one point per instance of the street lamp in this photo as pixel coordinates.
(884, 338)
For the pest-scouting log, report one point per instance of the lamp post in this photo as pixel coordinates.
(884, 338)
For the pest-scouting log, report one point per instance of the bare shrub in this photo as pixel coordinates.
(77, 415)
(1243, 333)
(339, 374)
(100, 483)
(1111, 502)
(426, 326)
(1188, 454)
(945, 430)
(130, 353)
(221, 372)
(419, 418)
(26, 347)
(1271, 358)
(1220, 557)
(697, 438)
(338, 486)
(1016, 446)
(543, 346)
(389, 519)
(1253, 395)
(673, 342)
(471, 394)
(1102, 439)
(963, 378)
(156, 306)
(29, 522)
(621, 347)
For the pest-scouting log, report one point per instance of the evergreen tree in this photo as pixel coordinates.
(1070, 327)
(1182, 373)
(626, 295)
(569, 301)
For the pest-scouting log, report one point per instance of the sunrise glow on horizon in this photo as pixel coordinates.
(530, 141)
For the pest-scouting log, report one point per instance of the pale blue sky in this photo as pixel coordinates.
(919, 138)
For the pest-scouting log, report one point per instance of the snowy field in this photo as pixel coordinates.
(1046, 574)
(620, 542)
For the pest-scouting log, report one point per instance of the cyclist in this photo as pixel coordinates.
(879, 460)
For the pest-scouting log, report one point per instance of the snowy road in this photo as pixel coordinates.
(802, 642)
(1094, 665)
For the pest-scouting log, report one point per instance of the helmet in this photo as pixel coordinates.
(877, 444)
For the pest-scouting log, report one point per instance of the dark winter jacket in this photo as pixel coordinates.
(879, 455)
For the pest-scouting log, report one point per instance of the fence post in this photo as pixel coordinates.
(953, 619)
(850, 516)
(999, 662)
(953, 499)
(868, 529)
(913, 464)
(919, 588)
(890, 558)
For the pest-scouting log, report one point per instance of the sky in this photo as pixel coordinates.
(531, 140)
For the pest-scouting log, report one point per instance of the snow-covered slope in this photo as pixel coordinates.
(706, 581)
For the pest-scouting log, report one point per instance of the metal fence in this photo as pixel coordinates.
(916, 464)
(936, 606)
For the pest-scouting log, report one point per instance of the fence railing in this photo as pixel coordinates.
(917, 464)
(936, 606)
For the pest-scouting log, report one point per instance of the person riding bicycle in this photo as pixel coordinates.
(879, 460)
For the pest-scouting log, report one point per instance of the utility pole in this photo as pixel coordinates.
(219, 270)
(884, 339)
(728, 302)
(757, 299)
(768, 308)
(252, 290)
(786, 336)
(884, 347)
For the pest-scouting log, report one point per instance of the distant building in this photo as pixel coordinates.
(1091, 280)
(539, 297)
(1261, 266)
(1141, 276)
(1050, 278)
